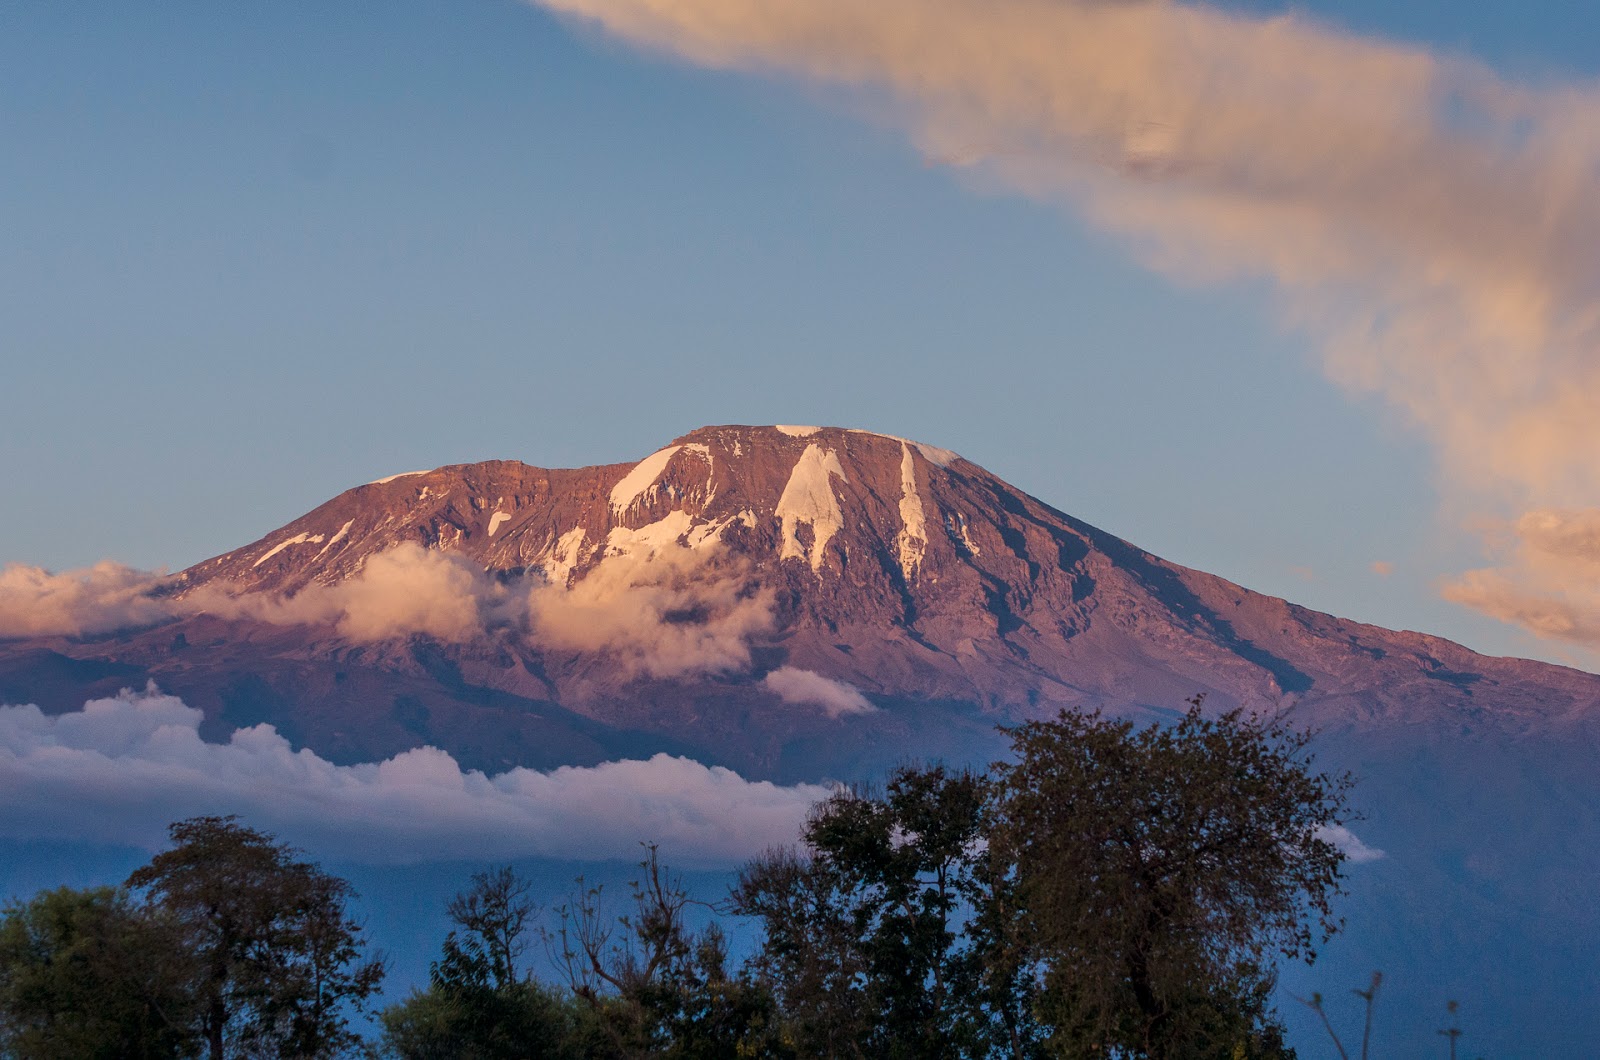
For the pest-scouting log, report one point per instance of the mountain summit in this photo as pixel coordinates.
(895, 573)
(748, 594)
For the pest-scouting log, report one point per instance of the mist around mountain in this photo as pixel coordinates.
(491, 657)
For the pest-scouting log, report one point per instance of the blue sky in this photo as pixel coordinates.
(257, 254)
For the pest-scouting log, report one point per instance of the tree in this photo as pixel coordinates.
(882, 942)
(653, 987)
(478, 1006)
(1158, 871)
(278, 958)
(86, 975)
(494, 912)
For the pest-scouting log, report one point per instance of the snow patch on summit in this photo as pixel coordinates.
(795, 431)
(298, 539)
(956, 527)
(334, 540)
(932, 453)
(912, 544)
(567, 554)
(641, 478)
(638, 482)
(646, 541)
(391, 478)
(808, 498)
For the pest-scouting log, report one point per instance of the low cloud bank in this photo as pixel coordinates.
(666, 611)
(100, 599)
(122, 768)
(836, 698)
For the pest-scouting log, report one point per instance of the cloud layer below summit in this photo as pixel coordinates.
(121, 768)
(1429, 222)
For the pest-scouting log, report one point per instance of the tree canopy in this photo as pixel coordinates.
(87, 975)
(1158, 872)
(1110, 890)
(277, 957)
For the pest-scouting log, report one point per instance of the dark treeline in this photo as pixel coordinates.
(1112, 891)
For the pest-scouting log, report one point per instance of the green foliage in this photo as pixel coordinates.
(1159, 871)
(276, 957)
(520, 1021)
(87, 975)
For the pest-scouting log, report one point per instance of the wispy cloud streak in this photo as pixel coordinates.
(1430, 222)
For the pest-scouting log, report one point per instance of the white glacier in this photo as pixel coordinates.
(808, 498)
(912, 545)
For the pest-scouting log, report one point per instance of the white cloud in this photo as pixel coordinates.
(1350, 844)
(836, 698)
(122, 768)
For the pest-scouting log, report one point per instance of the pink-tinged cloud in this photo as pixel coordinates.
(660, 612)
(101, 599)
(1431, 224)
(1548, 581)
(404, 590)
(658, 609)
(122, 768)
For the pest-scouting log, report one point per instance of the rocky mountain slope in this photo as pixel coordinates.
(746, 593)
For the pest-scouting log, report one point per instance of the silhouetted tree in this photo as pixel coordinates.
(277, 958)
(495, 912)
(478, 1005)
(656, 988)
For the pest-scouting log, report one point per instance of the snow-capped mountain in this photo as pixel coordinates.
(800, 603)
(750, 593)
